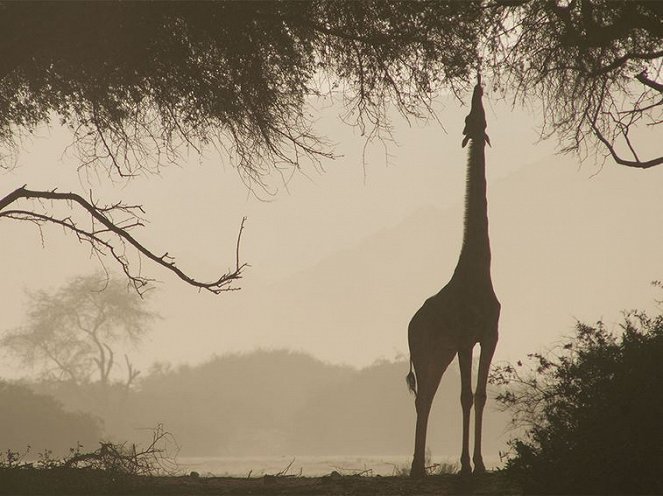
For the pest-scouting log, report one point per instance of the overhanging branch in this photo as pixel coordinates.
(642, 77)
(616, 157)
(103, 215)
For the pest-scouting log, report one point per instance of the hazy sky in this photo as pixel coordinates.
(596, 258)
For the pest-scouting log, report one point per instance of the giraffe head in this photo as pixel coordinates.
(475, 122)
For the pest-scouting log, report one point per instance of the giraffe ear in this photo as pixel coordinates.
(488, 140)
(465, 140)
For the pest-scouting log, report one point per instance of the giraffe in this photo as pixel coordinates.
(465, 312)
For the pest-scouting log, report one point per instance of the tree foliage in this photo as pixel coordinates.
(140, 83)
(74, 333)
(591, 411)
(135, 81)
(595, 66)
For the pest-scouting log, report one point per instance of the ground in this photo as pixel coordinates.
(90, 482)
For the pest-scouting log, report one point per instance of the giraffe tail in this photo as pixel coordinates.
(411, 380)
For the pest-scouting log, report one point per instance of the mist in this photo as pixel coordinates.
(309, 358)
(260, 404)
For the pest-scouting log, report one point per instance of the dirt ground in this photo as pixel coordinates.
(332, 485)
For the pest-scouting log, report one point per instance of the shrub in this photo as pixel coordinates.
(592, 411)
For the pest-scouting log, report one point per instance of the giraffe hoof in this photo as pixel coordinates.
(479, 469)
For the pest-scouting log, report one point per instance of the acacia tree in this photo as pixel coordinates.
(74, 333)
(139, 83)
(594, 66)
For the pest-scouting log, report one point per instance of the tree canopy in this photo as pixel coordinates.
(137, 79)
(594, 66)
(138, 83)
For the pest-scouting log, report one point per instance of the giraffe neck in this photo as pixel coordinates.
(474, 262)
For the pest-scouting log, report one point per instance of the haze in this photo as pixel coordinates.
(340, 260)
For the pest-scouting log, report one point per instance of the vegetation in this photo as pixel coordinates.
(52, 482)
(273, 403)
(110, 468)
(118, 459)
(73, 333)
(591, 409)
(40, 422)
(593, 66)
(140, 83)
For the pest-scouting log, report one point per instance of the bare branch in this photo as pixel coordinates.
(104, 217)
(611, 149)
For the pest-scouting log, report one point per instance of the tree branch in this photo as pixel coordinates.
(642, 77)
(102, 215)
(628, 163)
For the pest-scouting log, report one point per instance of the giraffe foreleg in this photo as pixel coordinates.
(466, 400)
(487, 351)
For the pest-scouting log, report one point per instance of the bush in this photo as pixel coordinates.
(592, 412)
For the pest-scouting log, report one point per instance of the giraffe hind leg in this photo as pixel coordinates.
(428, 380)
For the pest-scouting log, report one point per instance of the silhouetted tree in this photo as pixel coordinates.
(73, 333)
(592, 410)
(595, 65)
(138, 83)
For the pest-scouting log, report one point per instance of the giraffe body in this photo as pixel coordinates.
(462, 314)
(458, 317)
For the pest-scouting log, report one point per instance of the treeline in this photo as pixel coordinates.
(274, 403)
(32, 423)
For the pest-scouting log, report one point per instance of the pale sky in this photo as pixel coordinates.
(568, 242)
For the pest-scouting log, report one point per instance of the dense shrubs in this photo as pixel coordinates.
(592, 410)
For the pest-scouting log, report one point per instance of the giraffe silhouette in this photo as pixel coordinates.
(465, 312)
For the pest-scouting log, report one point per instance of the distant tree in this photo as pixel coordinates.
(74, 333)
(591, 410)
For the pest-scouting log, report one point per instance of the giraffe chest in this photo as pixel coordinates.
(467, 320)
(476, 318)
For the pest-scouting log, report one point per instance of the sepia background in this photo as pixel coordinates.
(309, 358)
